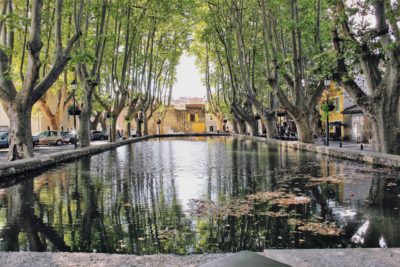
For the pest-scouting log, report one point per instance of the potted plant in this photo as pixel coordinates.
(281, 113)
(328, 107)
(74, 110)
(127, 119)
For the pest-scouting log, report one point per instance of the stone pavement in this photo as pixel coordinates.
(346, 144)
(47, 149)
(377, 257)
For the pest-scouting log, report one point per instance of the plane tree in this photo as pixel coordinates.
(368, 65)
(24, 43)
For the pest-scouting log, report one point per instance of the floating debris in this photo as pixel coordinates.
(321, 228)
(329, 179)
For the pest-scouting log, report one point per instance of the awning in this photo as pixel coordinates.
(337, 123)
(352, 110)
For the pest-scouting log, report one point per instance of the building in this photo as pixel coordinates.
(346, 121)
(191, 118)
(212, 123)
(39, 122)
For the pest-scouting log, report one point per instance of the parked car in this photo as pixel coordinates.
(98, 135)
(50, 138)
(4, 140)
(68, 138)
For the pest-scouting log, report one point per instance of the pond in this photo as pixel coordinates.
(201, 195)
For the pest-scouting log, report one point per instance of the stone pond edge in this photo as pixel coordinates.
(368, 157)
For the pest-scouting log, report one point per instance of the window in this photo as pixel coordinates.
(337, 104)
(192, 117)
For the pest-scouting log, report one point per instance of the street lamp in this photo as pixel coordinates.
(74, 86)
(225, 121)
(327, 83)
(159, 123)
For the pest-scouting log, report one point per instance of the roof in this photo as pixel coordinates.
(352, 110)
(187, 106)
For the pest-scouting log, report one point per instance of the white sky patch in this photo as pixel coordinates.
(188, 79)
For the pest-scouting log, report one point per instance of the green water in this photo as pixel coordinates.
(197, 195)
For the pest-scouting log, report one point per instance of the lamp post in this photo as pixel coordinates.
(327, 83)
(74, 86)
(159, 123)
(224, 127)
(140, 121)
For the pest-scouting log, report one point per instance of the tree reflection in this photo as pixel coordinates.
(23, 229)
(121, 202)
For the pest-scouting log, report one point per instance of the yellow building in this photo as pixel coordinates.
(346, 121)
(336, 118)
(196, 118)
(188, 119)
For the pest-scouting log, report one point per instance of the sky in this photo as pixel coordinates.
(188, 79)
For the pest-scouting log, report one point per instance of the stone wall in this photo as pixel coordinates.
(368, 157)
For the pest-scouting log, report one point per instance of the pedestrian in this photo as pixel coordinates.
(118, 134)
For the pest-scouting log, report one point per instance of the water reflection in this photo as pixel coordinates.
(136, 199)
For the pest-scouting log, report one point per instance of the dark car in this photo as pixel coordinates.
(98, 135)
(4, 140)
(68, 138)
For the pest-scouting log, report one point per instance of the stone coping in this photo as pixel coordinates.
(368, 157)
(13, 168)
(377, 257)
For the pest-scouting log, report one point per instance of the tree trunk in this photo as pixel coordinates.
(103, 123)
(84, 120)
(304, 131)
(20, 138)
(113, 132)
(128, 130)
(95, 122)
(235, 126)
(51, 118)
(385, 134)
(270, 124)
(240, 127)
(138, 128)
(145, 125)
(251, 126)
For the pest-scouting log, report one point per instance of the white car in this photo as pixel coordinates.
(50, 138)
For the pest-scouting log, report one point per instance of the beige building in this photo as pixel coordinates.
(39, 122)
(190, 119)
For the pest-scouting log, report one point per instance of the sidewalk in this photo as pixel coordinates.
(47, 149)
(345, 144)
